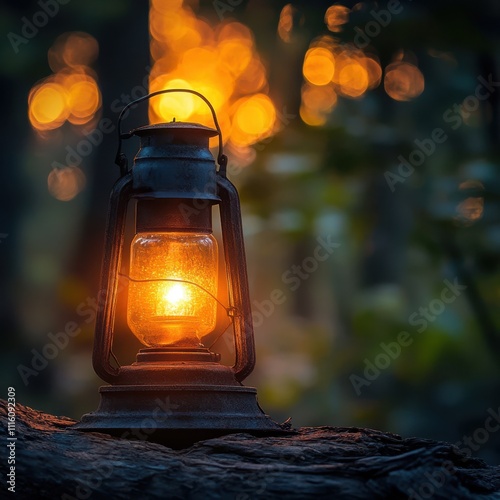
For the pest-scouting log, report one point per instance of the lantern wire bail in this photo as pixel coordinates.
(121, 159)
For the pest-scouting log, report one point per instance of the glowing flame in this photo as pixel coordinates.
(174, 296)
(170, 300)
(220, 62)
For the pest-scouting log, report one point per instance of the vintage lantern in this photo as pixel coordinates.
(172, 293)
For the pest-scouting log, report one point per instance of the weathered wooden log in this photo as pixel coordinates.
(52, 460)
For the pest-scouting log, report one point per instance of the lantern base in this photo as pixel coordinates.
(169, 354)
(178, 416)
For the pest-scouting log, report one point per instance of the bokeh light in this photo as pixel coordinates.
(254, 118)
(48, 106)
(285, 24)
(333, 69)
(403, 81)
(84, 98)
(71, 50)
(221, 62)
(373, 71)
(65, 183)
(319, 66)
(253, 79)
(353, 79)
(316, 103)
(71, 93)
(471, 209)
(315, 97)
(336, 16)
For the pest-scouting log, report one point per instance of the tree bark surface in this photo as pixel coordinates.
(55, 461)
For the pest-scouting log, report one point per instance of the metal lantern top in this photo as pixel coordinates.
(176, 128)
(177, 132)
(174, 161)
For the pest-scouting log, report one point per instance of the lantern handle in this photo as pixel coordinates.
(122, 161)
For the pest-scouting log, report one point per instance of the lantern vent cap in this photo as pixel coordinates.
(175, 126)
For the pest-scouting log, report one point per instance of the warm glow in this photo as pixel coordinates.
(176, 105)
(253, 79)
(65, 183)
(173, 282)
(174, 296)
(235, 55)
(373, 71)
(319, 66)
(319, 98)
(403, 81)
(334, 69)
(84, 98)
(316, 103)
(353, 80)
(73, 50)
(48, 106)
(312, 117)
(221, 62)
(355, 73)
(254, 118)
(71, 93)
(336, 16)
(80, 49)
(471, 209)
(285, 24)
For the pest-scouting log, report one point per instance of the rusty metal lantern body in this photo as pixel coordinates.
(174, 169)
